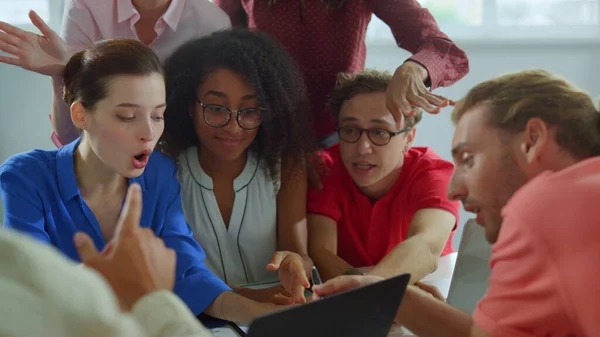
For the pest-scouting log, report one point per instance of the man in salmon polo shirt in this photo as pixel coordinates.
(383, 203)
(526, 150)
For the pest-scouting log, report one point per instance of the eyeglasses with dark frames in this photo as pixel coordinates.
(218, 116)
(377, 136)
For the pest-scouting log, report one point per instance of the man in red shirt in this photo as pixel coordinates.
(327, 37)
(383, 203)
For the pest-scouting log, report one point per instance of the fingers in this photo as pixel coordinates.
(85, 247)
(434, 99)
(334, 286)
(423, 104)
(276, 260)
(304, 280)
(129, 221)
(107, 249)
(9, 40)
(297, 295)
(40, 24)
(12, 30)
(432, 290)
(398, 107)
(9, 60)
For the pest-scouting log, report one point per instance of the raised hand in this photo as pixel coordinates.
(407, 90)
(45, 54)
(135, 262)
(292, 274)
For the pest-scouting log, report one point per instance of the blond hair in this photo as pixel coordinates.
(366, 82)
(513, 99)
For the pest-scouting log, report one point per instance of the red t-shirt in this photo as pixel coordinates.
(368, 231)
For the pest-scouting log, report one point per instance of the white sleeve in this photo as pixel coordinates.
(44, 294)
(163, 314)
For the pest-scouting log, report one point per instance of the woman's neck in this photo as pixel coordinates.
(151, 9)
(93, 177)
(218, 168)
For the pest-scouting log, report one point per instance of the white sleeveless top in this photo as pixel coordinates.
(238, 254)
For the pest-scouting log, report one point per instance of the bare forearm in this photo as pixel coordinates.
(236, 308)
(428, 317)
(412, 256)
(329, 264)
(61, 116)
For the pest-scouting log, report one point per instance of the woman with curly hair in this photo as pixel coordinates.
(236, 120)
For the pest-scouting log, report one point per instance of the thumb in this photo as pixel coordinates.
(129, 220)
(40, 24)
(276, 260)
(336, 285)
(85, 247)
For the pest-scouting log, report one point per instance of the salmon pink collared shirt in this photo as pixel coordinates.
(546, 262)
(367, 231)
(88, 21)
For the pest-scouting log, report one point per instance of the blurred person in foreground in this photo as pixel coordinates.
(124, 292)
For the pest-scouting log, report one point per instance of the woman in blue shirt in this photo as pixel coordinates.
(116, 92)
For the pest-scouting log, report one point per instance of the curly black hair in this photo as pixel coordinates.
(285, 133)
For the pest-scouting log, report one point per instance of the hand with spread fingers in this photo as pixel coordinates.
(45, 54)
(292, 274)
(407, 91)
(136, 262)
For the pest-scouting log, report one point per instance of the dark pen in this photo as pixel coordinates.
(316, 277)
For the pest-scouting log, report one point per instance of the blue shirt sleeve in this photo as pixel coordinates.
(23, 207)
(195, 284)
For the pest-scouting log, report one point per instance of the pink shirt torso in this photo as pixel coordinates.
(545, 277)
(87, 21)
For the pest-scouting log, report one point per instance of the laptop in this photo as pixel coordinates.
(366, 311)
(472, 270)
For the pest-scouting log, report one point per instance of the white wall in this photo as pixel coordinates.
(25, 97)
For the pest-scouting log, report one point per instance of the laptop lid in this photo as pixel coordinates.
(366, 311)
(472, 270)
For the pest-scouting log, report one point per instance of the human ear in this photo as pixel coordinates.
(78, 115)
(535, 137)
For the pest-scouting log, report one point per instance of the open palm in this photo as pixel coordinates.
(45, 54)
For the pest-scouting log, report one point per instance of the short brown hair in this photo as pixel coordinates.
(516, 98)
(88, 72)
(366, 82)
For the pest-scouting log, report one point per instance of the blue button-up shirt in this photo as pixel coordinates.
(41, 198)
